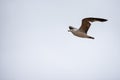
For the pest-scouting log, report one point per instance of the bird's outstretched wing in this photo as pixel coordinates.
(86, 23)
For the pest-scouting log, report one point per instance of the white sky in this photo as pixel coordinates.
(35, 44)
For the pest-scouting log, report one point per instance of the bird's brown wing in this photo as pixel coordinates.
(86, 23)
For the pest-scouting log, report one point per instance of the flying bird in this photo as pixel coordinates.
(86, 23)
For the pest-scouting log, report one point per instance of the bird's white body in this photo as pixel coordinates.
(78, 33)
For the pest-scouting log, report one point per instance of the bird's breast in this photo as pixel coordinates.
(80, 34)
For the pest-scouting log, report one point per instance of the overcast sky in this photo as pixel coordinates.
(35, 43)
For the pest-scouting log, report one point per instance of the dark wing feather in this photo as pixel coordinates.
(86, 23)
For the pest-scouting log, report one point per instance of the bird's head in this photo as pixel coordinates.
(71, 28)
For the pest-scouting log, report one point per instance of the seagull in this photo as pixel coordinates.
(86, 23)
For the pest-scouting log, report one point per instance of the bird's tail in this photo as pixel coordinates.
(91, 37)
